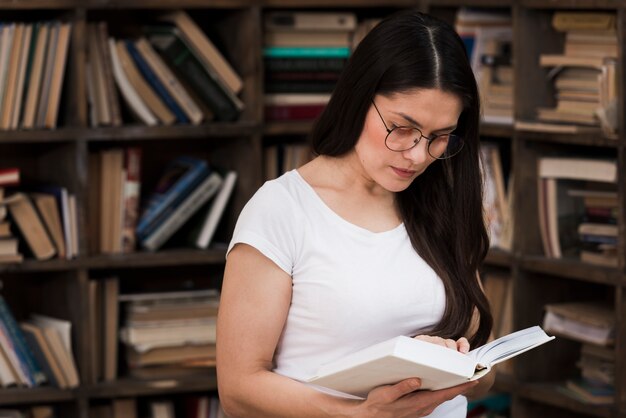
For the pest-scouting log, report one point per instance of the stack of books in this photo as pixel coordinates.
(588, 322)
(281, 158)
(304, 53)
(9, 252)
(596, 383)
(488, 37)
(173, 73)
(598, 228)
(169, 332)
(40, 411)
(40, 219)
(584, 75)
(564, 223)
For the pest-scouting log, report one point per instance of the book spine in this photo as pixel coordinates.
(153, 80)
(306, 52)
(160, 203)
(299, 86)
(303, 64)
(293, 112)
(199, 196)
(22, 349)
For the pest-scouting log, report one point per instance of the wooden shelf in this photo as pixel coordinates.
(37, 4)
(339, 3)
(496, 130)
(550, 394)
(132, 133)
(167, 4)
(571, 269)
(590, 139)
(474, 3)
(135, 387)
(498, 257)
(571, 4)
(177, 257)
(15, 396)
(287, 128)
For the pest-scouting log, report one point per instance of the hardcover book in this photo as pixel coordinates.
(438, 367)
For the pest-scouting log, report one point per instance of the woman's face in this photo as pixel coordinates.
(432, 111)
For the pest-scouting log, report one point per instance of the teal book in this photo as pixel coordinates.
(306, 52)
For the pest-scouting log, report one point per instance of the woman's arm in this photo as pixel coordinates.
(255, 300)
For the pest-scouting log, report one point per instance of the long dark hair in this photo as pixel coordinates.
(442, 209)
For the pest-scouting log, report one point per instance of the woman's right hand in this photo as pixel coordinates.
(405, 400)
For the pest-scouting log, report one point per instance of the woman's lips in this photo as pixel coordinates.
(403, 173)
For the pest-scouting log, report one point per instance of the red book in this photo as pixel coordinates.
(9, 176)
(293, 112)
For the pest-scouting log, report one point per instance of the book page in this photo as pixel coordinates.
(509, 346)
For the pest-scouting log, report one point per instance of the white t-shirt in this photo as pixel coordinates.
(351, 287)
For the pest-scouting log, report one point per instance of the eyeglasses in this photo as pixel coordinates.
(403, 138)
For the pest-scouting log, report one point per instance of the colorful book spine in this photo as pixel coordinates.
(306, 52)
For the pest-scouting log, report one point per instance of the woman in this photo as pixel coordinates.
(380, 235)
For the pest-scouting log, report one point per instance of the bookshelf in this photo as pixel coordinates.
(60, 287)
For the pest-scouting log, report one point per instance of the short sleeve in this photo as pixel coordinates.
(268, 223)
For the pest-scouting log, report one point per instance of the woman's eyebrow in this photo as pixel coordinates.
(418, 125)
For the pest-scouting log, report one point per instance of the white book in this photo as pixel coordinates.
(199, 196)
(578, 169)
(215, 212)
(128, 91)
(437, 366)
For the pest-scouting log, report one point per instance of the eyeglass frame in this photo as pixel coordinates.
(429, 140)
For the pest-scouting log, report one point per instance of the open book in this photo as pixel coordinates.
(438, 367)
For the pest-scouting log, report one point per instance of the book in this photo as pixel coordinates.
(9, 176)
(216, 209)
(180, 176)
(317, 21)
(196, 198)
(128, 82)
(210, 56)
(25, 215)
(438, 367)
(49, 211)
(35, 76)
(57, 333)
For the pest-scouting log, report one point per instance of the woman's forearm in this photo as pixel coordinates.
(266, 394)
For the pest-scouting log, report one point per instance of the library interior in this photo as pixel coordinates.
(134, 132)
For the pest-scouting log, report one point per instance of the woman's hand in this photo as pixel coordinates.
(402, 401)
(460, 345)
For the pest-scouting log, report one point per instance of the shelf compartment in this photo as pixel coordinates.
(571, 269)
(549, 394)
(126, 387)
(572, 4)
